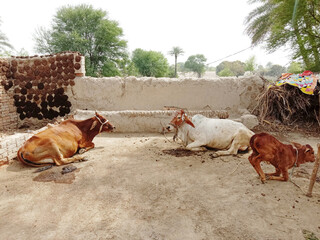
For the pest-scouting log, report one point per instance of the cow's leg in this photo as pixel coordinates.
(59, 159)
(277, 173)
(196, 146)
(63, 161)
(255, 162)
(284, 177)
(85, 147)
(47, 150)
(240, 141)
(233, 150)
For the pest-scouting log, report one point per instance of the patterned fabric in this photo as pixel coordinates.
(306, 81)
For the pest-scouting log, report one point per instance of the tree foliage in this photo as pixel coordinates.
(226, 72)
(251, 64)
(150, 63)
(275, 70)
(235, 68)
(295, 67)
(176, 51)
(196, 63)
(288, 22)
(89, 31)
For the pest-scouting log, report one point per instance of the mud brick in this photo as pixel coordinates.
(3, 151)
(3, 159)
(3, 144)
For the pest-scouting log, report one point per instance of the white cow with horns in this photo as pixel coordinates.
(222, 134)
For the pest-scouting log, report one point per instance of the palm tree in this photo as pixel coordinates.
(176, 51)
(4, 41)
(280, 22)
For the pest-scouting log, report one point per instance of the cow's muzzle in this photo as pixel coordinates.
(170, 127)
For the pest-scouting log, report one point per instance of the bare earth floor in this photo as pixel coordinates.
(136, 186)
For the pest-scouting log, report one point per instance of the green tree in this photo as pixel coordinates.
(196, 63)
(128, 68)
(4, 44)
(150, 63)
(251, 64)
(295, 67)
(292, 22)
(226, 72)
(89, 31)
(275, 70)
(176, 51)
(171, 71)
(236, 68)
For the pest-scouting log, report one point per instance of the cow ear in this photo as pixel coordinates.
(93, 125)
(297, 145)
(188, 121)
(308, 148)
(95, 112)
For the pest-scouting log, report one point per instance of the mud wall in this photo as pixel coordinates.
(131, 93)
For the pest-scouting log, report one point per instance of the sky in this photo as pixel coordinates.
(214, 28)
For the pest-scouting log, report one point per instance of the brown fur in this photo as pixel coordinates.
(61, 142)
(282, 156)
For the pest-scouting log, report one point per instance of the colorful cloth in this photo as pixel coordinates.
(306, 82)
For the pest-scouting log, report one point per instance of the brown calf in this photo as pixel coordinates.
(61, 142)
(282, 156)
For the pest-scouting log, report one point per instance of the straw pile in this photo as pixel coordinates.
(287, 104)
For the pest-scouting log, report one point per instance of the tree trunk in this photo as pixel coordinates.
(303, 51)
(175, 65)
(314, 48)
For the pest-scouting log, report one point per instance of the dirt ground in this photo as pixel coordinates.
(141, 186)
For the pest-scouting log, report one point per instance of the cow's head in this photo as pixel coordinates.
(179, 118)
(306, 153)
(103, 124)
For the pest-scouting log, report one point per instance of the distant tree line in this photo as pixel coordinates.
(90, 31)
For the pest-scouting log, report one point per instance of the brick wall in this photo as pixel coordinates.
(8, 114)
(9, 145)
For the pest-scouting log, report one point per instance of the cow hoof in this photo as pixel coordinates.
(263, 181)
(83, 159)
(214, 155)
(82, 150)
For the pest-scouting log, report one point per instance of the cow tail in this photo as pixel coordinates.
(30, 163)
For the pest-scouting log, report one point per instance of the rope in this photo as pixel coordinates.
(229, 55)
(294, 165)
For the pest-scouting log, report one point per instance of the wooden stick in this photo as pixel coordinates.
(314, 172)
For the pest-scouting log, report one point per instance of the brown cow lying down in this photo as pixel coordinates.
(61, 142)
(282, 156)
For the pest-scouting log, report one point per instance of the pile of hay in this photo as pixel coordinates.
(287, 104)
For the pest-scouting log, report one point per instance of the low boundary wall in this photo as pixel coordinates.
(153, 121)
(130, 93)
